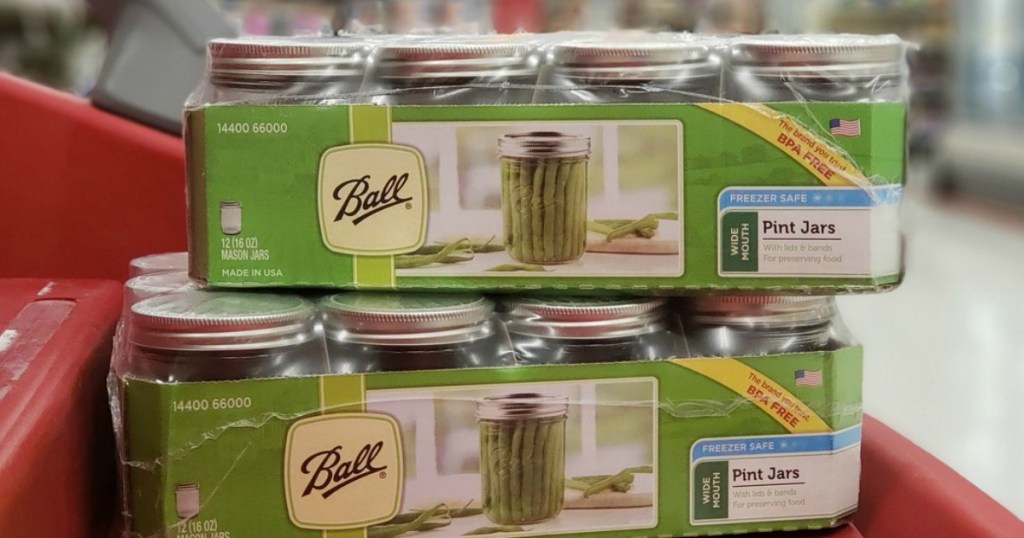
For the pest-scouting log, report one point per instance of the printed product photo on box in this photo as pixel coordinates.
(649, 163)
(383, 415)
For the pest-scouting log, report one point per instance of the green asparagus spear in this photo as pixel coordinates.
(524, 243)
(600, 227)
(419, 523)
(456, 250)
(515, 472)
(491, 245)
(528, 463)
(537, 212)
(539, 471)
(514, 267)
(494, 530)
(466, 511)
(550, 187)
(622, 231)
(561, 180)
(494, 461)
(579, 221)
(508, 168)
(485, 468)
(502, 455)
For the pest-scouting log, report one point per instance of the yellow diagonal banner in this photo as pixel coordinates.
(772, 398)
(815, 154)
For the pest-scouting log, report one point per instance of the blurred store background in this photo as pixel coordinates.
(967, 67)
(947, 379)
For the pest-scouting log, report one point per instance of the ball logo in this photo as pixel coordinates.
(372, 199)
(343, 471)
(359, 203)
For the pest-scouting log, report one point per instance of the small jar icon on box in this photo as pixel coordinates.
(186, 499)
(231, 218)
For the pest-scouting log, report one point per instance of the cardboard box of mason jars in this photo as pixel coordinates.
(435, 430)
(653, 163)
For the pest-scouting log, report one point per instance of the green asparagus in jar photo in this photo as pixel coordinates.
(544, 196)
(522, 457)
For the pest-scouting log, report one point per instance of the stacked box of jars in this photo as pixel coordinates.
(510, 355)
(546, 168)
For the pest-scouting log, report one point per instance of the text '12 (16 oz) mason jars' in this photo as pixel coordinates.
(544, 196)
(727, 326)
(589, 330)
(373, 332)
(214, 336)
(828, 68)
(522, 443)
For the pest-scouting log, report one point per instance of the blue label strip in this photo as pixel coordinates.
(745, 197)
(775, 444)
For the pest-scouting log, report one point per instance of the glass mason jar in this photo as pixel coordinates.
(377, 332)
(522, 457)
(544, 196)
(477, 70)
(728, 326)
(215, 336)
(286, 69)
(589, 329)
(635, 70)
(849, 68)
(158, 263)
(144, 287)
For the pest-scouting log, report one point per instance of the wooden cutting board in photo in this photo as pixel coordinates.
(657, 233)
(631, 245)
(607, 499)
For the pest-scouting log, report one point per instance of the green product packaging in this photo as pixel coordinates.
(652, 198)
(599, 450)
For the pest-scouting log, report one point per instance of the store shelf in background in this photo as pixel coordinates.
(57, 451)
(85, 191)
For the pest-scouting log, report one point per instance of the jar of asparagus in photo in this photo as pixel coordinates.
(727, 326)
(522, 457)
(544, 196)
(589, 329)
(215, 336)
(281, 69)
(844, 68)
(376, 332)
(651, 69)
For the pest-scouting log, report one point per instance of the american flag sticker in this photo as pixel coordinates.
(807, 378)
(841, 127)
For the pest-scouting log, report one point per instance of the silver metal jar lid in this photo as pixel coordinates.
(143, 287)
(585, 317)
(812, 54)
(543, 144)
(391, 319)
(221, 321)
(652, 59)
(446, 58)
(258, 62)
(527, 405)
(766, 311)
(158, 263)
